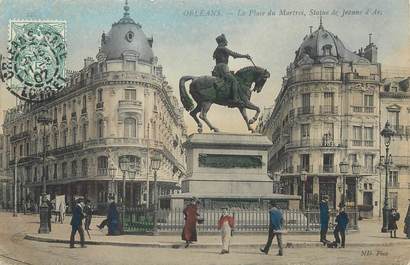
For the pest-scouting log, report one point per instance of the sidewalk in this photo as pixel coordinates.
(369, 235)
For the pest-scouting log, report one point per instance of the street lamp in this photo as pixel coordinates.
(44, 120)
(112, 171)
(276, 180)
(387, 134)
(155, 165)
(128, 164)
(344, 167)
(303, 179)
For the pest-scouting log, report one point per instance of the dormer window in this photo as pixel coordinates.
(327, 50)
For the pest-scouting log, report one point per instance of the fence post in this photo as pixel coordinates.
(307, 219)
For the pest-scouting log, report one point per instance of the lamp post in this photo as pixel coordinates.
(155, 165)
(356, 172)
(387, 134)
(112, 171)
(344, 167)
(128, 164)
(303, 179)
(44, 120)
(276, 181)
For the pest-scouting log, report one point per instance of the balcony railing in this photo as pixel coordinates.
(19, 136)
(102, 171)
(368, 143)
(289, 169)
(363, 109)
(399, 130)
(305, 110)
(328, 109)
(130, 103)
(308, 169)
(356, 142)
(327, 169)
(393, 185)
(356, 76)
(313, 76)
(331, 143)
(369, 170)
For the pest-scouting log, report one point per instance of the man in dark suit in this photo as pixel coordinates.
(77, 223)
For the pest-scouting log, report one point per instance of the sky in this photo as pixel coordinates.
(184, 42)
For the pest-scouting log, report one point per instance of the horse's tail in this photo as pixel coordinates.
(185, 98)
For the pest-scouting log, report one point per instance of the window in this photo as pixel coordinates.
(305, 74)
(368, 101)
(130, 128)
(130, 66)
(305, 131)
(64, 109)
(45, 173)
(328, 73)
(130, 94)
(394, 179)
(102, 164)
(84, 103)
(64, 169)
(328, 129)
(74, 168)
(84, 131)
(368, 133)
(304, 162)
(55, 113)
(74, 131)
(100, 95)
(100, 128)
(35, 175)
(55, 171)
(357, 133)
(327, 50)
(329, 98)
(306, 100)
(368, 163)
(27, 149)
(328, 163)
(65, 137)
(393, 118)
(84, 167)
(55, 139)
(21, 150)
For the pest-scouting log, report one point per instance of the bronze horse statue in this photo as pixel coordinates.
(206, 90)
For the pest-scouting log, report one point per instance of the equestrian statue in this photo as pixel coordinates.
(223, 87)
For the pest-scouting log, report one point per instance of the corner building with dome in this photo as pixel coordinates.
(326, 112)
(118, 104)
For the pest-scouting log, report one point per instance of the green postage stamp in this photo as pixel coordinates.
(37, 53)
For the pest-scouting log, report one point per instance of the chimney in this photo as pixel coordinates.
(370, 52)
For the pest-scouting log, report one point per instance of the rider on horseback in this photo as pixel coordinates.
(221, 70)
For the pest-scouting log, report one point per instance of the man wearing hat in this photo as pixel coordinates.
(77, 222)
(221, 69)
(324, 218)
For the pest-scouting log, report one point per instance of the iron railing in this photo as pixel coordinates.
(246, 220)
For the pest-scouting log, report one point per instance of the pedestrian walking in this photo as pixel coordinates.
(226, 224)
(340, 229)
(61, 212)
(275, 229)
(88, 212)
(394, 216)
(191, 215)
(324, 218)
(407, 223)
(77, 223)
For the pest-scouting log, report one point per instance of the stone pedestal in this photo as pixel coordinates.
(228, 169)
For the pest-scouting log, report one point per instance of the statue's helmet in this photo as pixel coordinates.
(221, 39)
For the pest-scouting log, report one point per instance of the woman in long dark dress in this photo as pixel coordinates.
(191, 214)
(407, 223)
(394, 216)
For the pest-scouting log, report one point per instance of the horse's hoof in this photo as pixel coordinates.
(215, 130)
(251, 121)
(199, 130)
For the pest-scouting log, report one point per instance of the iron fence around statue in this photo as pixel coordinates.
(140, 220)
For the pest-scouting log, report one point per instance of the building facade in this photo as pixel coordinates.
(327, 111)
(118, 104)
(395, 108)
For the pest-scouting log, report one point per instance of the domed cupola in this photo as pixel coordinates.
(126, 40)
(323, 46)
